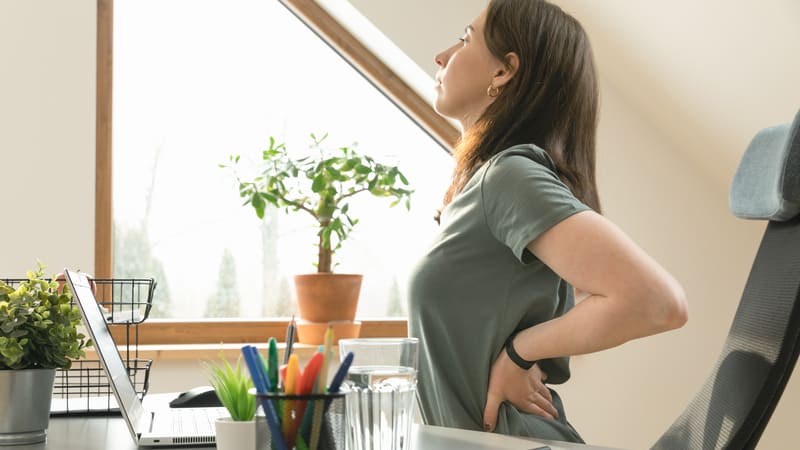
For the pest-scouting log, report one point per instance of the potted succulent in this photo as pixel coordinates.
(321, 185)
(38, 334)
(232, 385)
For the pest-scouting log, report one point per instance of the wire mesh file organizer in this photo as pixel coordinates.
(84, 388)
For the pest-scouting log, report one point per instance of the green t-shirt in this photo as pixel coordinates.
(478, 284)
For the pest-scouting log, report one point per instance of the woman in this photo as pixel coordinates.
(521, 235)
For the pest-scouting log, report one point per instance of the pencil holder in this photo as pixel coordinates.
(305, 422)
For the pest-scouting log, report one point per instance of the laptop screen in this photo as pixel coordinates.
(106, 350)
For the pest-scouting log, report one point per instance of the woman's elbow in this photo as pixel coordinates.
(675, 310)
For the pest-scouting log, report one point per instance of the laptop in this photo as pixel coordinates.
(153, 427)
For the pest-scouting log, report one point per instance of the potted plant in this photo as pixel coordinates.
(38, 334)
(321, 185)
(232, 385)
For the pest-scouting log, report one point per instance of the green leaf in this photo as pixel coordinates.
(38, 326)
(232, 385)
(350, 163)
(258, 202)
(318, 183)
(334, 172)
(268, 197)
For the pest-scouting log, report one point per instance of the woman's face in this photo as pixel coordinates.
(466, 71)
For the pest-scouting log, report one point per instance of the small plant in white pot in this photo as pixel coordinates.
(232, 385)
(38, 334)
(321, 185)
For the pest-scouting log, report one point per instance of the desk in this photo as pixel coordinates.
(111, 433)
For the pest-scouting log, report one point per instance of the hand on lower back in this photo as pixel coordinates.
(525, 390)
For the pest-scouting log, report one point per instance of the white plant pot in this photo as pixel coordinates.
(235, 435)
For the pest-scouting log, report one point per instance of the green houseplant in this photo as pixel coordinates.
(38, 325)
(321, 184)
(232, 385)
(38, 334)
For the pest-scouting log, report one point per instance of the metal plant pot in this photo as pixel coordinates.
(25, 405)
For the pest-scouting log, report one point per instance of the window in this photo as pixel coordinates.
(197, 81)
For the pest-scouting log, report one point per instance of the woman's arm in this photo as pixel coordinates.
(621, 294)
(628, 295)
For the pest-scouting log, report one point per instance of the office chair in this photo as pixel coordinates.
(736, 402)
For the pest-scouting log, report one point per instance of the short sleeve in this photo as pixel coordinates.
(523, 197)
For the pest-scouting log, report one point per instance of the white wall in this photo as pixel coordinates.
(624, 397)
(47, 115)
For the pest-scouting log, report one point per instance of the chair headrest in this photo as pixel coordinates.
(767, 183)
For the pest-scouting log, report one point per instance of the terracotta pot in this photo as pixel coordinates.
(323, 297)
(313, 333)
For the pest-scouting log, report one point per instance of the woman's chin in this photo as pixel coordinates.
(441, 109)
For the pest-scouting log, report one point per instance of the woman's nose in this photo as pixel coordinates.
(442, 58)
(439, 59)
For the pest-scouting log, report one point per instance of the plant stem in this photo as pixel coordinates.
(325, 254)
(350, 194)
(299, 206)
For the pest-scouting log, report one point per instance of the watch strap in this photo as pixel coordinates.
(512, 353)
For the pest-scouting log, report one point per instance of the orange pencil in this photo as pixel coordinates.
(310, 373)
(309, 379)
(322, 380)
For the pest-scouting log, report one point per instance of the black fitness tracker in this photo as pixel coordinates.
(512, 353)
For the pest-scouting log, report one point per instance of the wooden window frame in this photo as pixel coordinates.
(165, 332)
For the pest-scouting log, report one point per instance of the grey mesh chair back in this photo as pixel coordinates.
(736, 402)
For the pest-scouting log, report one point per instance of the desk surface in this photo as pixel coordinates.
(111, 432)
(101, 433)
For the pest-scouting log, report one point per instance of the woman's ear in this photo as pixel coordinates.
(506, 72)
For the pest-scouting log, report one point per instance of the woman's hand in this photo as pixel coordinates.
(525, 390)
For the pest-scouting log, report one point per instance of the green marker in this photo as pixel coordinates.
(272, 364)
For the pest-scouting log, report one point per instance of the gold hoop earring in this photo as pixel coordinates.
(493, 91)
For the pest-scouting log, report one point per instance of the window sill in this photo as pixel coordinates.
(208, 352)
(161, 335)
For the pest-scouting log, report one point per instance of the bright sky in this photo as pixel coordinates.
(196, 81)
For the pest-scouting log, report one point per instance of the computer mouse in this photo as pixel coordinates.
(199, 397)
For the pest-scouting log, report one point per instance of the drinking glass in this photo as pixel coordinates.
(381, 386)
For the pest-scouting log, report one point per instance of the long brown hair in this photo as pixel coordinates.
(551, 101)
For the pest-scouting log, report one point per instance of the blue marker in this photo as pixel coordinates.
(261, 382)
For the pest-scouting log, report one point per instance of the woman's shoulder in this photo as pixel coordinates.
(520, 158)
(530, 151)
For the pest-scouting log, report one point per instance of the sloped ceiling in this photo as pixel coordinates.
(707, 74)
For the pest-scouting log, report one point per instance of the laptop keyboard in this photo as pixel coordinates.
(187, 422)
